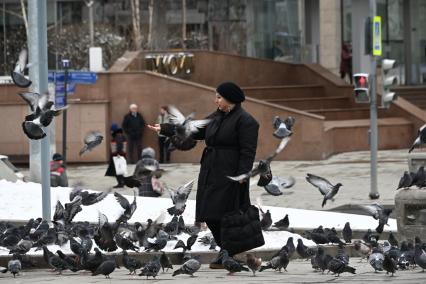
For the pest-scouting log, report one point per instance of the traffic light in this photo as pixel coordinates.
(388, 82)
(361, 91)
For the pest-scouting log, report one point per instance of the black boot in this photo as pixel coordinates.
(216, 263)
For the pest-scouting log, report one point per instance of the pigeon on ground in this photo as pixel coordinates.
(91, 262)
(376, 259)
(165, 262)
(230, 264)
(179, 198)
(152, 268)
(129, 208)
(263, 168)
(87, 198)
(54, 261)
(342, 254)
(389, 265)
(277, 185)
(421, 138)
(338, 266)
(22, 247)
(278, 262)
(185, 127)
(347, 233)
(14, 266)
(18, 72)
(283, 224)
(157, 245)
(131, 264)
(124, 243)
(324, 186)
(283, 128)
(420, 256)
(266, 221)
(419, 178)
(104, 236)
(71, 262)
(392, 240)
(378, 212)
(304, 251)
(322, 259)
(105, 268)
(253, 262)
(370, 238)
(91, 140)
(406, 181)
(189, 267)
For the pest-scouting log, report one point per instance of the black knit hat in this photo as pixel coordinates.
(231, 92)
(57, 157)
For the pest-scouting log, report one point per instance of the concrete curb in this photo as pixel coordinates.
(177, 257)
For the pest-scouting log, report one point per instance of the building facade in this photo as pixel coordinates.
(299, 31)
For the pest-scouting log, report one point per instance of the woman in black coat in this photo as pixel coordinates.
(231, 142)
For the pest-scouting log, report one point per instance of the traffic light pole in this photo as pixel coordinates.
(374, 194)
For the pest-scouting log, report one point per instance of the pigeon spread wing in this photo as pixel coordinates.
(245, 176)
(372, 209)
(176, 117)
(186, 188)
(92, 136)
(22, 61)
(322, 184)
(122, 200)
(277, 122)
(196, 125)
(280, 147)
(31, 99)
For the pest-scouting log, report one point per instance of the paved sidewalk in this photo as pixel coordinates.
(298, 272)
(351, 169)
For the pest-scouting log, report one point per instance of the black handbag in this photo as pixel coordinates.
(241, 230)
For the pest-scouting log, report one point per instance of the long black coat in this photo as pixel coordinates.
(231, 141)
(133, 126)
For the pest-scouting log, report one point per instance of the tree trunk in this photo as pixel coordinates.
(24, 16)
(136, 23)
(159, 25)
(150, 11)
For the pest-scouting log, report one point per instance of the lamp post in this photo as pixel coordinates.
(65, 66)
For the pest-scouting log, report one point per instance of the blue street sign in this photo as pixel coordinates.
(59, 101)
(77, 77)
(60, 88)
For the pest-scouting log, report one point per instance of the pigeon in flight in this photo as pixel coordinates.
(421, 138)
(324, 186)
(42, 114)
(277, 185)
(129, 208)
(185, 127)
(378, 212)
(263, 167)
(283, 127)
(18, 72)
(179, 197)
(91, 140)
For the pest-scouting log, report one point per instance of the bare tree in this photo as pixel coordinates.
(24, 16)
(151, 12)
(136, 24)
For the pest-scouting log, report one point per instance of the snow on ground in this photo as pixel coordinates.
(22, 201)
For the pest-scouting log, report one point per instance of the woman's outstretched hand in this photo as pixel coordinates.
(155, 127)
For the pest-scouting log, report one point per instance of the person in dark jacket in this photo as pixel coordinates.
(118, 147)
(346, 62)
(58, 174)
(231, 143)
(133, 126)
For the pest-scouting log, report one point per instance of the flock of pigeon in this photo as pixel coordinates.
(105, 236)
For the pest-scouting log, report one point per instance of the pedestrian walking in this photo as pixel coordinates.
(231, 143)
(133, 126)
(346, 62)
(163, 141)
(117, 148)
(58, 173)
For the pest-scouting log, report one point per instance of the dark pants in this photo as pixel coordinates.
(343, 75)
(164, 149)
(214, 226)
(134, 150)
(120, 180)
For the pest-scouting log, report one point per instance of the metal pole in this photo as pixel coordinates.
(91, 31)
(374, 193)
(64, 114)
(37, 43)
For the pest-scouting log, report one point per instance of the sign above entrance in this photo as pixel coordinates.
(173, 64)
